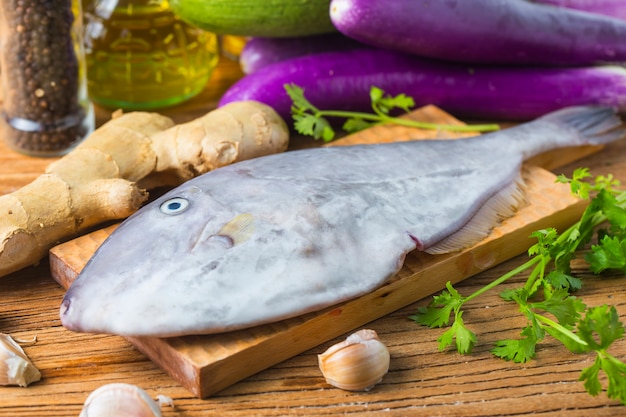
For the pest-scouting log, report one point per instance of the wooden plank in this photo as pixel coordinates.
(208, 364)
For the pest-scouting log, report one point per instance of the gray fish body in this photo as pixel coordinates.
(278, 236)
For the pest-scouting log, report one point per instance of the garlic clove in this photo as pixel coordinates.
(15, 367)
(163, 400)
(120, 399)
(356, 364)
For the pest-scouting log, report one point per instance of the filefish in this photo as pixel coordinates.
(275, 237)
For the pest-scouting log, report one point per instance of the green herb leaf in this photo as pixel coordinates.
(610, 253)
(433, 316)
(311, 121)
(601, 327)
(616, 374)
(608, 204)
(384, 104)
(438, 312)
(549, 285)
(591, 379)
(300, 104)
(317, 127)
(578, 186)
(545, 239)
(564, 307)
(308, 120)
(559, 279)
(465, 339)
(356, 124)
(517, 350)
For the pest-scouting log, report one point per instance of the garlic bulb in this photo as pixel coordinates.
(356, 364)
(120, 399)
(15, 367)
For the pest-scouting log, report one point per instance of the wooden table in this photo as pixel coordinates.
(421, 381)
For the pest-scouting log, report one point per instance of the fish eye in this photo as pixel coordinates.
(174, 206)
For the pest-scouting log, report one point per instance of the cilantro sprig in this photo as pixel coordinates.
(311, 121)
(546, 297)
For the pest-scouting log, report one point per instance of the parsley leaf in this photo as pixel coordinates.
(602, 322)
(546, 296)
(578, 186)
(560, 279)
(517, 350)
(610, 253)
(384, 104)
(437, 313)
(311, 121)
(354, 124)
(464, 337)
(599, 329)
(564, 307)
(313, 126)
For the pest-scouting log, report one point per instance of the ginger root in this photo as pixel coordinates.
(105, 177)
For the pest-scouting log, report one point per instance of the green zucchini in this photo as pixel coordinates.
(261, 18)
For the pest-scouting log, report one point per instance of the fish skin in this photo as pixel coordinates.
(281, 235)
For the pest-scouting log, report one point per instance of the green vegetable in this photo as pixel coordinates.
(267, 18)
(311, 121)
(546, 297)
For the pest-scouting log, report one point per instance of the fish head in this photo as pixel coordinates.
(147, 271)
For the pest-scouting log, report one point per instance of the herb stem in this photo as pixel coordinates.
(538, 271)
(503, 278)
(563, 330)
(382, 118)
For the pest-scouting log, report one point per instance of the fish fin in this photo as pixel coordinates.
(239, 229)
(498, 207)
(597, 125)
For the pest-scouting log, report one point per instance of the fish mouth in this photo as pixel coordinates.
(71, 315)
(65, 314)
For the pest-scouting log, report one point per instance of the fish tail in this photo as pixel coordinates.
(596, 125)
(570, 126)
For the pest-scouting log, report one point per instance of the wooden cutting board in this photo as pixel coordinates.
(207, 364)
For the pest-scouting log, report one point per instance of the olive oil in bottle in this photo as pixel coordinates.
(140, 55)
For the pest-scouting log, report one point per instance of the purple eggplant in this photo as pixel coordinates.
(260, 52)
(613, 8)
(484, 31)
(342, 80)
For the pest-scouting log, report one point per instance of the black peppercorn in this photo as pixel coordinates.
(45, 110)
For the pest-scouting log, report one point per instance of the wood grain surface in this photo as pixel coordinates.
(421, 381)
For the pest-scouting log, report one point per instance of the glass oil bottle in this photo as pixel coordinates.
(141, 56)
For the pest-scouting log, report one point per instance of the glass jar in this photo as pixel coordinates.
(141, 56)
(45, 109)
